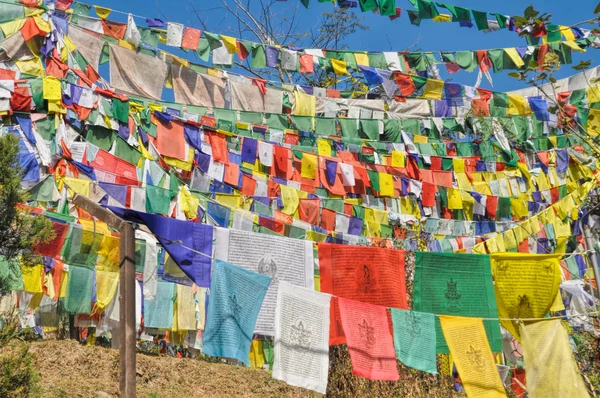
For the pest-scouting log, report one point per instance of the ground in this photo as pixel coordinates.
(68, 369)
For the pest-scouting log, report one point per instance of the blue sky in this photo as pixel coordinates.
(384, 35)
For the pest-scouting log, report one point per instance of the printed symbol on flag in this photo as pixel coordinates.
(502, 267)
(300, 336)
(365, 279)
(233, 307)
(476, 359)
(452, 295)
(413, 325)
(267, 266)
(548, 267)
(367, 335)
(524, 309)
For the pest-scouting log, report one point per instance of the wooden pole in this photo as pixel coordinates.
(127, 292)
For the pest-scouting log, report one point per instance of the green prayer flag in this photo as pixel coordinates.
(277, 121)
(367, 5)
(304, 3)
(392, 129)
(498, 104)
(504, 210)
(427, 9)
(158, 200)
(80, 284)
(377, 60)
(127, 152)
(214, 40)
(466, 60)
(554, 34)
(325, 126)
(203, 49)
(457, 285)
(46, 128)
(336, 205)
(37, 93)
(414, 17)
(251, 117)
(303, 123)
(81, 9)
(102, 137)
(121, 110)
(480, 19)
(415, 339)
(358, 211)
(387, 7)
(497, 58)
(81, 246)
(11, 277)
(412, 126)
(459, 14)
(369, 129)
(259, 56)
(349, 127)
(43, 191)
(374, 178)
(501, 19)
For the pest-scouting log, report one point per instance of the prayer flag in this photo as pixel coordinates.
(414, 339)
(236, 295)
(369, 340)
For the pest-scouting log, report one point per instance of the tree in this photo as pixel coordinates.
(264, 21)
(20, 231)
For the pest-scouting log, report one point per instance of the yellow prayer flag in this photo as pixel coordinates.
(8, 28)
(256, 356)
(32, 67)
(102, 12)
(567, 33)
(361, 59)
(32, 277)
(518, 105)
(454, 199)
(44, 26)
(472, 356)
(305, 104)
(459, 165)
(433, 89)
(420, 139)
(525, 286)
(77, 185)
(127, 45)
(230, 44)
(574, 46)
(309, 166)
(51, 88)
(551, 368)
(514, 56)
(324, 147)
(593, 94)
(373, 229)
(289, 197)
(106, 287)
(339, 67)
(386, 184)
(510, 241)
(398, 159)
(479, 248)
(442, 18)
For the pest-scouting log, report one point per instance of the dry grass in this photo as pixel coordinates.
(68, 369)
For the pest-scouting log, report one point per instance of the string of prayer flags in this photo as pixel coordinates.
(550, 367)
(283, 259)
(526, 286)
(470, 350)
(415, 339)
(368, 274)
(236, 295)
(459, 285)
(301, 353)
(369, 340)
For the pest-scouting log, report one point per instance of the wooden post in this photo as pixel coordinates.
(127, 292)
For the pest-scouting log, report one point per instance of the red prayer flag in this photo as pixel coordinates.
(480, 107)
(248, 185)
(405, 84)
(114, 29)
(232, 174)
(368, 274)
(328, 219)
(307, 64)
(191, 38)
(491, 206)
(428, 194)
(370, 342)
(170, 140)
(282, 157)
(309, 210)
(484, 61)
(218, 144)
(53, 248)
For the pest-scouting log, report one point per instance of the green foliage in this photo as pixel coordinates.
(582, 65)
(20, 232)
(18, 377)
